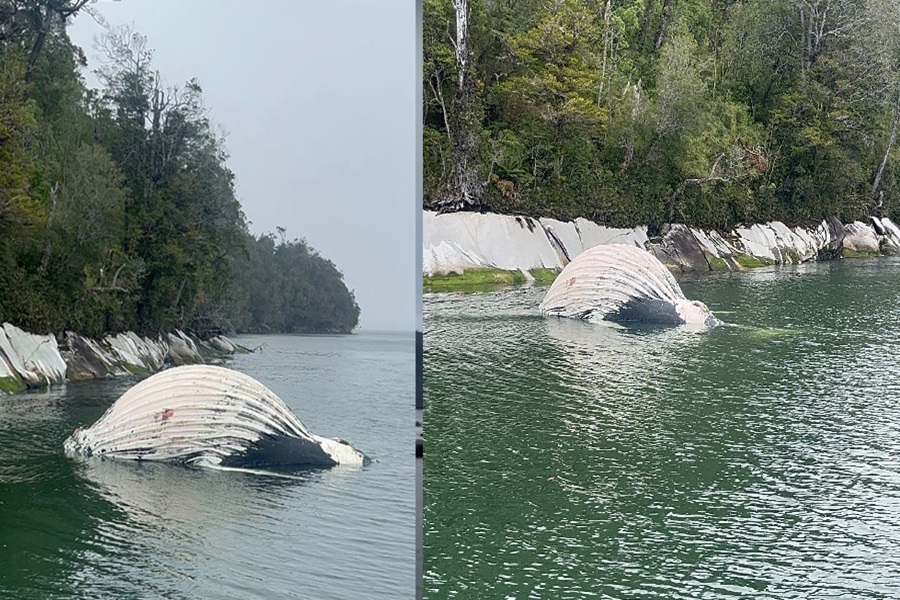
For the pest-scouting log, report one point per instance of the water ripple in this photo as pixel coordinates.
(569, 460)
(100, 529)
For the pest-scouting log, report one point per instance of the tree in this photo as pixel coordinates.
(43, 15)
(465, 189)
(117, 209)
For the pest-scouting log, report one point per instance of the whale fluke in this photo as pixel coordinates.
(617, 282)
(207, 415)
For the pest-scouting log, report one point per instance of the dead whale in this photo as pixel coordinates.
(206, 415)
(616, 282)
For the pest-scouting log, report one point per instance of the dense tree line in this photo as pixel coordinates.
(711, 112)
(117, 210)
(287, 286)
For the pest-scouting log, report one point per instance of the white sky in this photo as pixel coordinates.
(318, 100)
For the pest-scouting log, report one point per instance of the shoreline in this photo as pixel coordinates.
(32, 361)
(37, 361)
(469, 252)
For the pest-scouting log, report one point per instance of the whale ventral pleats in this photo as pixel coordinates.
(623, 283)
(207, 416)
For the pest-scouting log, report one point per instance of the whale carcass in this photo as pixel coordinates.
(207, 416)
(616, 282)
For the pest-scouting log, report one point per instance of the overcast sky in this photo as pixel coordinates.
(318, 101)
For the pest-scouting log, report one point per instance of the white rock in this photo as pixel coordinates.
(567, 234)
(445, 258)
(723, 247)
(35, 358)
(222, 344)
(459, 241)
(860, 237)
(484, 240)
(808, 243)
(182, 348)
(756, 242)
(131, 349)
(6, 370)
(891, 234)
(706, 243)
(785, 246)
(595, 235)
(124, 350)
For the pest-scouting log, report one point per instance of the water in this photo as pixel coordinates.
(123, 530)
(760, 460)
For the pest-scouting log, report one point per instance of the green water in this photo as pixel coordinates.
(758, 460)
(101, 529)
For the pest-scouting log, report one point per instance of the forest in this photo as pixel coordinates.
(117, 209)
(645, 112)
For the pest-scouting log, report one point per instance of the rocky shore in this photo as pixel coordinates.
(455, 243)
(29, 360)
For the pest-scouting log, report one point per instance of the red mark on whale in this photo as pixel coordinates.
(163, 416)
(570, 282)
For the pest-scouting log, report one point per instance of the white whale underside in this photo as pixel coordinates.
(208, 416)
(617, 282)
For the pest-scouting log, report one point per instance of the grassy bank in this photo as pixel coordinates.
(484, 280)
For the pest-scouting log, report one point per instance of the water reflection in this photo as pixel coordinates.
(175, 519)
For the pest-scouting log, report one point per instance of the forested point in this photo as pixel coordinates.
(644, 112)
(117, 210)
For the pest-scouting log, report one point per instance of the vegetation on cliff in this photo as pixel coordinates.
(117, 209)
(627, 112)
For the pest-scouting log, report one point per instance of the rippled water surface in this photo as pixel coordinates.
(758, 460)
(123, 530)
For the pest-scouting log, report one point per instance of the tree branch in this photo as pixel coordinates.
(712, 177)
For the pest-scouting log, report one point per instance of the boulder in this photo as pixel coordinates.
(890, 235)
(860, 238)
(35, 358)
(222, 344)
(680, 250)
(85, 359)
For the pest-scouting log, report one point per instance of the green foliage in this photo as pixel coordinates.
(12, 384)
(117, 210)
(751, 262)
(703, 112)
(17, 123)
(289, 287)
(544, 276)
(472, 280)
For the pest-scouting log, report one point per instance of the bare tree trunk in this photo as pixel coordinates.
(606, 40)
(802, 39)
(178, 295)
(890, 145)
(437, 86)
(664, 23)
(671, 207)
(465, 189)
(635, 110)
(39, 42)
(809, 38)
(646, 21)
(48, 244)
(51, 9)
